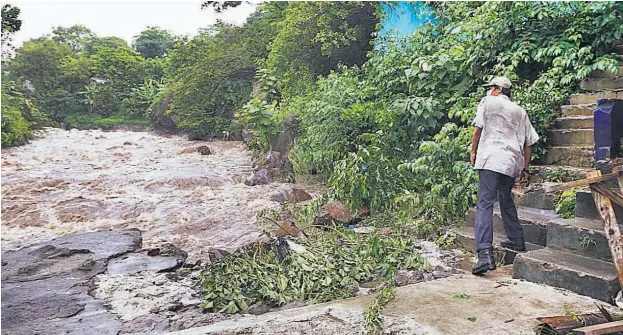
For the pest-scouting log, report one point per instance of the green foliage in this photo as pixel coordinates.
(372, 320)
(19, 115)
(334, 262)
(10, 25)
(565, 206)
(258, 115)
(153, 42)
(586, 241)
(210, 78)
(315, 37)
(75, 37)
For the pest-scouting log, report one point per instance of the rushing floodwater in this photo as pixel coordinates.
(76, 181)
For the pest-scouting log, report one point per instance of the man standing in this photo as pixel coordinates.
(501, 150)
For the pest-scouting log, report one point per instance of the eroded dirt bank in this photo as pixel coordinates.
(77, 181)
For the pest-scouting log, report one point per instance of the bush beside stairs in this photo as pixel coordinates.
(568, 253)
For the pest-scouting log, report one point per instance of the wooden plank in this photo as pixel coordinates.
(613, 233)
(581, 182)
(604, 328)
(619, 170)
(608, 192)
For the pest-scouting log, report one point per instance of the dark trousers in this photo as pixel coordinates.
(495, 185)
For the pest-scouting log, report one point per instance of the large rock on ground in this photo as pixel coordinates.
(286, 137)
(166, 258)
(45, 286)
(292, 195)
(335, 212)
(259, 177)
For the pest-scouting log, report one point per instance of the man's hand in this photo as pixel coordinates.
(524, 178)
(472, 158)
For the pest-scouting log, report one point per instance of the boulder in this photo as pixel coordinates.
(166, 258)
(204, 150)
(292, 195)
(286, 137)
(259, 177)
(277, 160)
(216, 255)
(163, 122)
(335, 212)
(247, 136)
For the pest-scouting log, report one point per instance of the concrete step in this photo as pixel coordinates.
(584, 237)
(577, 156)
(591, 98)
(601, 84)
(571, 137)
(533, 221)
(535, 197)
(587, 276)
(585, 206)
(578, 110)
(574, 122)
(607, 73)
(466, 238)
(558, 174)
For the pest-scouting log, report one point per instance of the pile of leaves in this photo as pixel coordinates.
(334, 262)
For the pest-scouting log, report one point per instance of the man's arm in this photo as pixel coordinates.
(475, 141)
(527, 154)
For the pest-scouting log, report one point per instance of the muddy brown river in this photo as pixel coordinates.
(75, 181)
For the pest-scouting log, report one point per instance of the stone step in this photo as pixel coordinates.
(607, 73)
(533, 221)
(601, 84)
(574, 122)
(535, 197)
(577, 156)
(584, 237)
(585, 206)
(571, 137)
(558, 174)
(591, 98)
(466, 238)
(587, 276)
(578, 110)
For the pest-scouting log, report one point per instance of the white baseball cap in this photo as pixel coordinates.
(499, 81)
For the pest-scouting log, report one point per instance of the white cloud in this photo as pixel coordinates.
(124, 19)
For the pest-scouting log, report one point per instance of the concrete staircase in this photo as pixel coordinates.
(571, 140)
(566, 253)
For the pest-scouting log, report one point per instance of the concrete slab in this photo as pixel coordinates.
(585, 207)
(600, 84)
(534, 196)
(569, 137)
(575, 122)
(578, 156)
(499, 304)
(594, 278)
(591, 98)
(578, 110)
(580, 236)
(534, 222)
(607, 73)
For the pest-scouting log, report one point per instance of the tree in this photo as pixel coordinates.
(314, 37)
(10, 25)
(153, 42)
(75, 36)
(220, 6)
(93, 44)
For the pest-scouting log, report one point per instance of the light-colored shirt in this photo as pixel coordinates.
(506, 129)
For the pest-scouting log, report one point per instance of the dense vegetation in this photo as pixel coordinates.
(384, 121)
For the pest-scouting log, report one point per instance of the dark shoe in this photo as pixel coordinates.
(516, 245)
(485, 262)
